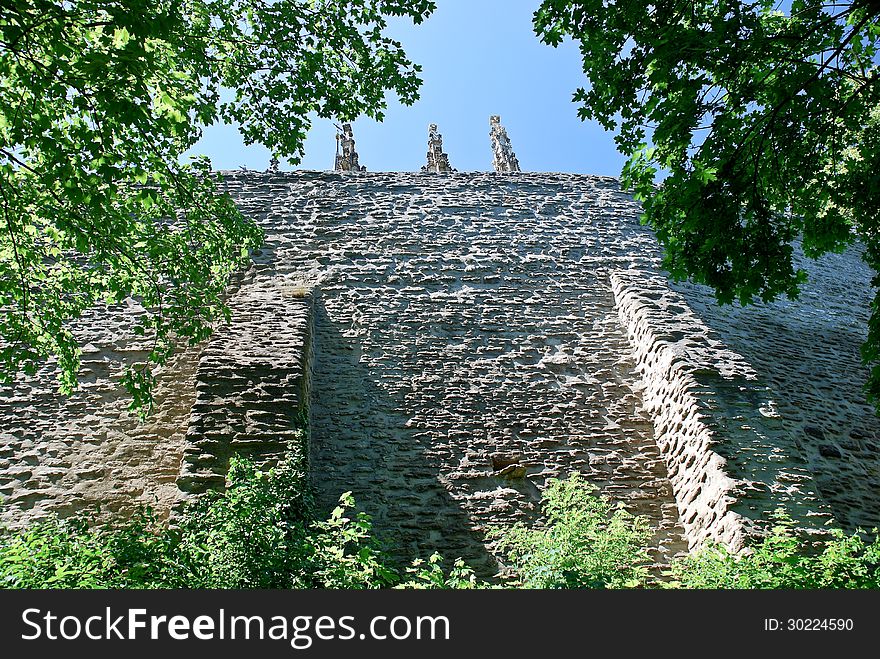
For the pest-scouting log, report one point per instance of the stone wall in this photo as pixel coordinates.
(473, 335)
(65, 454)
(808, 401)
(467, 347)
(244, 391)
(723, 474)
(252, 384)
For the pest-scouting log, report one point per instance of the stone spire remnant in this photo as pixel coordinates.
(438, 162)
(504, 159)
(346, 156)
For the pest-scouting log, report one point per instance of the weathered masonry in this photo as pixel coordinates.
(457, 340)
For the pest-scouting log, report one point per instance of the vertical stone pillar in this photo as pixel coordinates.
(438, 162)
(252, 384)
(504, 159)
(346, 156)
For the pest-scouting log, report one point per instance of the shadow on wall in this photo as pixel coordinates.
(360, 442)
(814, 379)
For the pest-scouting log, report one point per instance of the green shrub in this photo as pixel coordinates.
(587, 542)
(262, 533)
(259, 533)
(253, 535)
(344, 554)
(429, 575)
(783, 560)
(54, 553)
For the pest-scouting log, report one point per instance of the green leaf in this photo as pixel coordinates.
(111, 107)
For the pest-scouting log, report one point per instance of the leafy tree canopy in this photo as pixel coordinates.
(766, 123)
(98, 100)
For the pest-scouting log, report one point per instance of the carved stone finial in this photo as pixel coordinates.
(504, 159)
(438, 162)
(346, 156)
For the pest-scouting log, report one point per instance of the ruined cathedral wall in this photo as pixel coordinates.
(459, 340)
(245, 391)
(762, 407)
(807, 407)
(467, 348)
(88, 451)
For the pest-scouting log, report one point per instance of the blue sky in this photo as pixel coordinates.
(479, 57)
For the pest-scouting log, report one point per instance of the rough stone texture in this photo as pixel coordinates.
(715, 423)
(474, 335)
(805, 354)
(480, 314)
(65, 454)
(467, 347)
(251, 383)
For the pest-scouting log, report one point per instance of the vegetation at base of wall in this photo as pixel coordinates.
(262, 533)
(783, 560)
(587, 542)
(430, 575)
